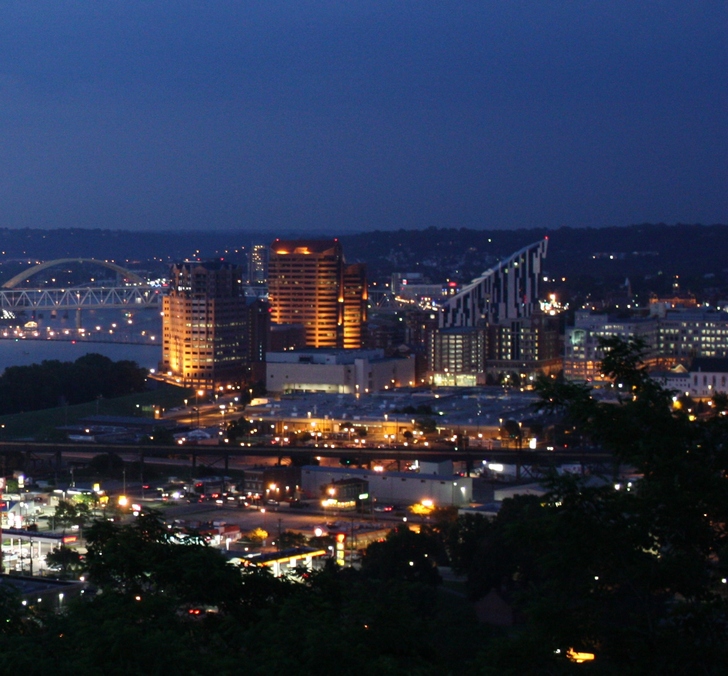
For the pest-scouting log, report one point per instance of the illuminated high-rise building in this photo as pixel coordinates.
(309, 283)
(258, 264)
(494, 328)
(507, 292)
(204, 326)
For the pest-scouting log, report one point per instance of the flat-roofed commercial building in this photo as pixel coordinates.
(337, 371)
(402, 488)
(672, 337)
(309, 283)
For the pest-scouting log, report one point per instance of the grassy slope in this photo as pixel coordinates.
(41, 424)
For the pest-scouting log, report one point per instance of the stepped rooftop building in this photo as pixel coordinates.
(493, 328)
(506, 292)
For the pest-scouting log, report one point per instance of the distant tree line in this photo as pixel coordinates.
(55, 383)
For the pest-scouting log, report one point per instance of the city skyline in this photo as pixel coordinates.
(329, 118)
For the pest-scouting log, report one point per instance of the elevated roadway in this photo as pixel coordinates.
(520, 458)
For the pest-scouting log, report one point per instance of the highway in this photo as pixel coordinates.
(364, 454)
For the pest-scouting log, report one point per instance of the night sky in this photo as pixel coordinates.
(342, 116)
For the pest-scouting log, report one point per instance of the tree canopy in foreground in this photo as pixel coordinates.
(634, 573)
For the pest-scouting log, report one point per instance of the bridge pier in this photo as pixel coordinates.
(222, 478)
(141, 469)
(468, 464)
(78, 318)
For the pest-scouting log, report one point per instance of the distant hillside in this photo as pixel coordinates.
(697, 253)
(691, 251)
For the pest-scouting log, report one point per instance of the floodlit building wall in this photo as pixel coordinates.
(400, 488)
(358, 372)
(204, 324)
(310, 284)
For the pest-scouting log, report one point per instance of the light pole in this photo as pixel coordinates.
(198, 394)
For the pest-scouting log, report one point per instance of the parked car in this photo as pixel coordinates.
(383, 508)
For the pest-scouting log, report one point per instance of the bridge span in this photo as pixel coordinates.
(87, 298)
(526, 461)
(130, 291)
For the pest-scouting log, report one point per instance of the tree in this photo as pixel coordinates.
(67, 562)
(65, 514)
(291, 538)
(72, 513)
(160, 436)
(258, 536)
(426, 425)
(52, 383)
(719, 403)
(632, 575)
(511, 433)
(145, 557)
(403, 555)
(106, 464)
(238, 429)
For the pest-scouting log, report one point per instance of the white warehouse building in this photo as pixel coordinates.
(337, 371)
(404, 488)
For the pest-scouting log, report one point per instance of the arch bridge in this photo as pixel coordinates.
(135, 293)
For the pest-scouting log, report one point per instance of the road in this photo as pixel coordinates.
(268, 518)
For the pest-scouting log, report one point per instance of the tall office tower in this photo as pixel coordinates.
(310, 284)
(355, 304)
(204, 325)
(258, 264)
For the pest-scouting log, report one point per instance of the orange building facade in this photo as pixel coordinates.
(310, 284)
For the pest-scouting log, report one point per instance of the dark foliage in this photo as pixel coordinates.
(53, 383)
(633, 573)
(166, 608)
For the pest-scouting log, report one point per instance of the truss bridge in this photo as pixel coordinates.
(131, 291)
(87, 298)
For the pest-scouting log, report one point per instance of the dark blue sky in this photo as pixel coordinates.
(345, 116)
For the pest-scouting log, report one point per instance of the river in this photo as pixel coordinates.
(137, 336)
(25, 351)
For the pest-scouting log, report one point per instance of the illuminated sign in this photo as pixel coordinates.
(340, 551)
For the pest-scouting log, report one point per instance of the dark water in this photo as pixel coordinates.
(116, 334)
(24, 352)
